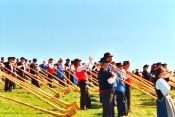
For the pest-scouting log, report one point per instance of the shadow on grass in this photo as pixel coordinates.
(96, 106)
(98, 114)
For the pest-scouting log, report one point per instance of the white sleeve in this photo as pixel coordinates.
(112, 79)
(83, 67)
(50, 66)
(163, 86)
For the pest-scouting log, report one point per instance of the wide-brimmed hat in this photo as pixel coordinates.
(107, 54)
(50, 59)
(104, 60)
(9, 58)
(77, 60)
(126, 63)
(22, 58)
(34, 60)
(118, 64)
(145, 66)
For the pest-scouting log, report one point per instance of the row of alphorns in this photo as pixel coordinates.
(64, 109)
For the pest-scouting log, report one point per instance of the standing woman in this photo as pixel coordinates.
(106, 79)
(85, 101)
(165, 106)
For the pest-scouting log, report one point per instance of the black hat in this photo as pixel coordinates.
(11, 58)
(22, 58)
(159, 63)
(164, 64)
(60, 60)
(103, 60)
(107, 54)
(50, 59)
(145, 66)
(125, 62)
(118, 64)
(34, 60)
(76, 60)
(67, 59)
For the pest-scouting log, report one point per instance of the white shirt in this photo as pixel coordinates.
(51, 66)
(112, 79)
(163, 86)
(83, 67)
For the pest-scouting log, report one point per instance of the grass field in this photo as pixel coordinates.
(141, 105)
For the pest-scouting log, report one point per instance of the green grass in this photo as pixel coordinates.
(141, 105)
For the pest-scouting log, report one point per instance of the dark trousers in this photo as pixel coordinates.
(35, 82)
(85, 101)
(121, 103)
(50, 80)
(128, 95)
(107, 99)
(8, 85)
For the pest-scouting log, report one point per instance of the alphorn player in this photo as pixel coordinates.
(9, 65)
(165, 105)
(120, 89)
(34, 69)
(126, 65)
(51, 70)
(22, 67)
(85, 101)
(106, 79)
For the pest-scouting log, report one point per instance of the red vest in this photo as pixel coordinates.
(52, 71)
(129, 80)
(80, 75)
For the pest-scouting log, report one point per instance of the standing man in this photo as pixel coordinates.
(120, 93)
(145, 74)
(126, 65)
(22, 67)
(2, 63)
(106, 79)
(34, 69)
(9, 65)
(51, 70)
(60, 70)
(43, 65)
(85, 101)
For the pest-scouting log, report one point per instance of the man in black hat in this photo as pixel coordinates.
(51, 69)
(85, 101)
(106, 79)
(22, 68)
(108, 57)
(120, 92)
(2, 63)
(34, 70)
(67, 66)
(9, 65)
(145, 74)
(126, 66)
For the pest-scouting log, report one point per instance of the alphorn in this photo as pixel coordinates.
(76, 89)
(35, 107)
(146, 87)
(46, 95)
(22, 84)
(96, 90)
(57, 94)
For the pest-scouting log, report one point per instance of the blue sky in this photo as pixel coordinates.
(141, 31)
